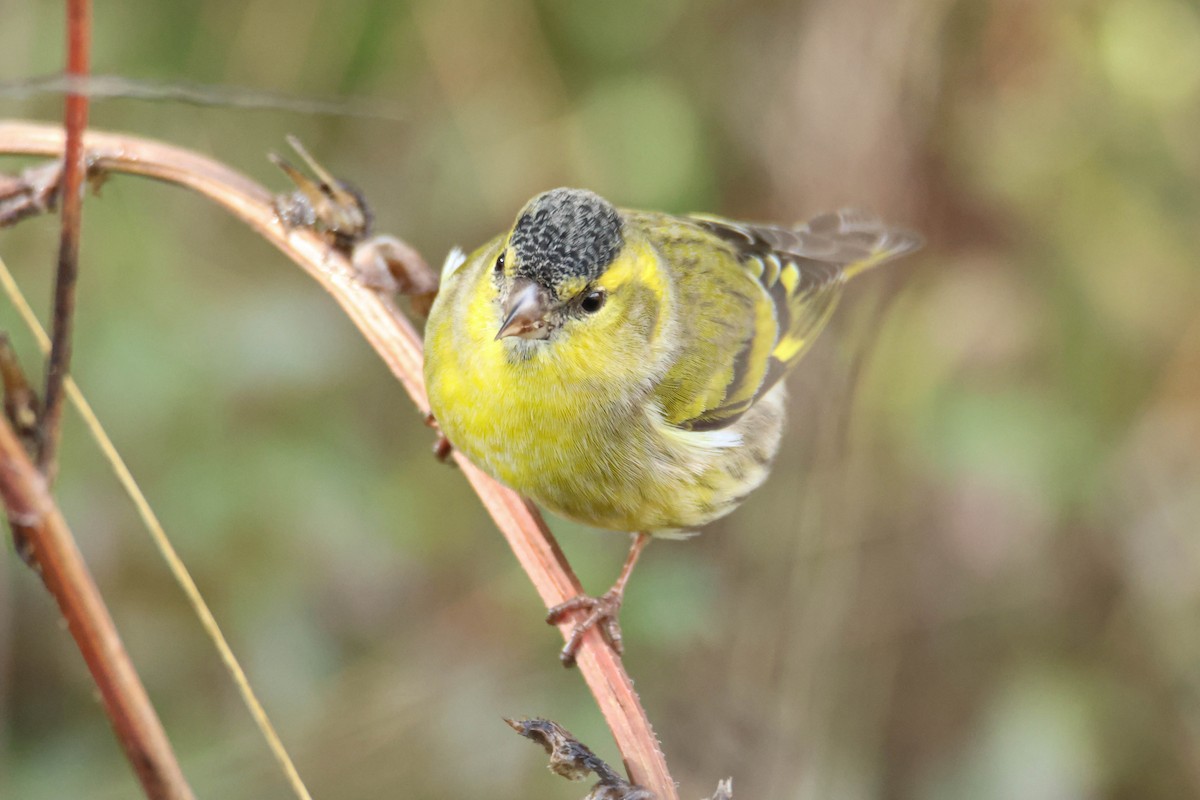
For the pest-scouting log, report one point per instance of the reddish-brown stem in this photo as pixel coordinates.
(50, 548)
(399, 345)
(79, 37)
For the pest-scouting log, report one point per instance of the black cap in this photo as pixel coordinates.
(564, 234)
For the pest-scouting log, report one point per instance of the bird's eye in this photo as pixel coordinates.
(500, 262)
(593, 301)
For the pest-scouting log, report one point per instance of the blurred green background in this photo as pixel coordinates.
(975, 572)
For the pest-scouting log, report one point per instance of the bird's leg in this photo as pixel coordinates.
(601, 610)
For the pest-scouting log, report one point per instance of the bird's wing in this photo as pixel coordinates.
(802, 270)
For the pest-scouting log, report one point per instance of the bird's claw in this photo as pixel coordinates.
(601, 612)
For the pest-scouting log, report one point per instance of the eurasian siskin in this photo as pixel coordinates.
(623, 368)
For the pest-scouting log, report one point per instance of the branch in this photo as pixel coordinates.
(49, 546)
(79, 36)
(399, 345)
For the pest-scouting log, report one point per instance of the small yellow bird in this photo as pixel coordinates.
(622, 368)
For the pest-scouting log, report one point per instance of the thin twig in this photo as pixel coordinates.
(174, 563)
(79, 39)
(398, 344)
(52, 550)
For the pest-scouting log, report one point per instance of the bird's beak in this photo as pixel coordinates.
(525, 311)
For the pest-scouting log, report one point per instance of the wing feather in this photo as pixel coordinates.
(802, 270)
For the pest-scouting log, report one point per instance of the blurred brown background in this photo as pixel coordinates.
(975, 572)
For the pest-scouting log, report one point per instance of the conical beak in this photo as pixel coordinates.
(525, 311)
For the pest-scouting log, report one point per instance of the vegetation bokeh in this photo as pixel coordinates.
(975, 572)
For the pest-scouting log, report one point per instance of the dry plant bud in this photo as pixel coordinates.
(573, 760)
(387, 264)
(33, 192)
(339, 212)
(21, 405)
(331, 207)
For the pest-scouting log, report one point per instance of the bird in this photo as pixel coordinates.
(624, 368)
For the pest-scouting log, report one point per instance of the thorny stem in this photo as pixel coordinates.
(399, 345)
(79, 30)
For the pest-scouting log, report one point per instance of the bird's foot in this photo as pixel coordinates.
(442, 449)
(601, 612)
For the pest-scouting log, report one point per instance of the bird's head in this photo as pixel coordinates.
(570, 268)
